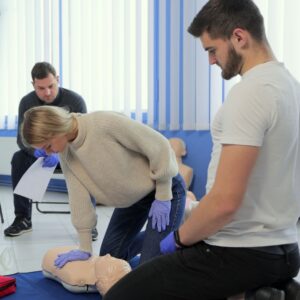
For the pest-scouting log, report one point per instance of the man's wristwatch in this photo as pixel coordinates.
(177, 240)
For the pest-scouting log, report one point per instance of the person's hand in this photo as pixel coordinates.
(72, 255)
(168, 244)
(40, 153)
(49, 161)
(160, 213)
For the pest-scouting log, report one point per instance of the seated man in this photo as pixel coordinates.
(243, 233)
(46, 92)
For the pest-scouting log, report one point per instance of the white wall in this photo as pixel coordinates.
(8, 146)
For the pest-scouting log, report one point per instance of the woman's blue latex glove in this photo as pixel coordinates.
(49, 161)
(168, 244)
(72, 255)
(40, 153)
(160, 213)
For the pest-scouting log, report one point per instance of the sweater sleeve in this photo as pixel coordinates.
(152, 145)
(83, 213)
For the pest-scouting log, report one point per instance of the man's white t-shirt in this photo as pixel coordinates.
(262, 110)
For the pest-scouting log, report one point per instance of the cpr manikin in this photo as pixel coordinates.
(97, 274)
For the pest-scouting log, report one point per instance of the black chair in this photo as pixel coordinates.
(1, 214)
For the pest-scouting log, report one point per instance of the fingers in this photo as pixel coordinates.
(151, 212)
(153, 222)
(167, 220)
(49, 161)
(61, 260)
(160, 221)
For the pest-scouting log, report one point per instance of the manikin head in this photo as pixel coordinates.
(109, 270)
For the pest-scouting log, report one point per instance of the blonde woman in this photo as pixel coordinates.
(121, 163)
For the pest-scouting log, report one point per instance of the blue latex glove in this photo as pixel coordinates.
(49, 161)
(72, 255)
(40, 153)
(160, 213)
(168, 244)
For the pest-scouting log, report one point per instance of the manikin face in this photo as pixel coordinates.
(54, 145)
(222, 53)
(46, 88)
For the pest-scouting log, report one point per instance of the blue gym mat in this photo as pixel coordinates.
(34, 286)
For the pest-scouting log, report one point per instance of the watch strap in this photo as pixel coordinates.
(177, 239)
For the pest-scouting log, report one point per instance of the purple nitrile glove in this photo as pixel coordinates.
(168, 244)
(160, 213)
(72, 255)
(49, 161)
(40, 153)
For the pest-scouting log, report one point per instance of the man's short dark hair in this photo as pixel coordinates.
(41, 70)
(219, 18)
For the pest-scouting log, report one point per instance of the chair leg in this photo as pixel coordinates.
(37, 203)
(1, 214)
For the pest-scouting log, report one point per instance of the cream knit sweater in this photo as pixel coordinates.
(116, 160)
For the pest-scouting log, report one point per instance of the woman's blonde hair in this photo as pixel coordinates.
(42, 123)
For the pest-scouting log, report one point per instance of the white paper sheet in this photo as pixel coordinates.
(35, 181)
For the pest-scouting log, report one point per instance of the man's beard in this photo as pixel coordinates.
(233, 65)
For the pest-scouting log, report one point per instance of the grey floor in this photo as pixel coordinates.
(25, 252)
